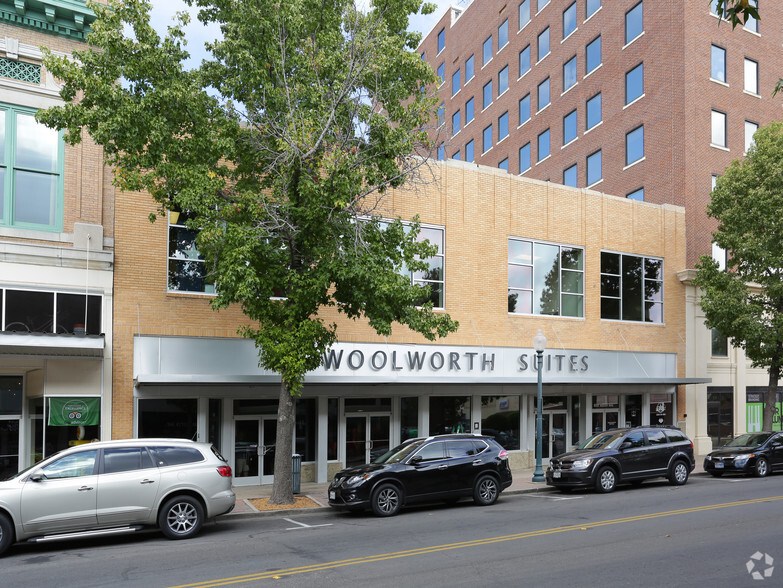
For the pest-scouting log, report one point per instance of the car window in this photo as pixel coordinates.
(607, 440)
(481, 446)
(656, 437)
(125, 459)
(430, 452)
(636, 438)
(72, 466)
(169, 455)
(461, 448)
(675, 436)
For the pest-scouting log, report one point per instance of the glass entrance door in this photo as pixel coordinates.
(555, 436)
(366, 437)
(603, 420)
(254, 450)
(9, 447)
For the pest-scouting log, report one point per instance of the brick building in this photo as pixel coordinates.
(644, 99)
(56, 250)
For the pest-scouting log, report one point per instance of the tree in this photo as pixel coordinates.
(281, 148)
(745, 300)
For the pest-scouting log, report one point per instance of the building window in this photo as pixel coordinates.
(594, 168)
(31, 311)
(487, 138)
(524, 61)
(524, 109)
(524, 157)
(592, 6)
(31, 172)
(503, 35)
(714, 7)
(469, 69)
(524, 13)
(637, 194)
(569, 20)
(542, 4)
(631, 288)
(719, 255)
(503, 126)
(487, 51)
(455, 123)
(633, 23)
(634, 145)
(569, 73)
(634, 83)
(456, 82)
(569, 176)
(593, 55)
(456, 155)
(750, 130)
(719, 128)
(187, 271)
(543, 145)
(751, 76)
(503, 164)
(543, 94)
(487, 99)
(569, 127)
(441, 152)
(720, 344)
(718, 64)
(593, 111)
(543, 44)
(502, 80)
(545, 279)
(441, 114)
(500, 418)
(441, 40)
(469, 111)
(469, 151)
(752, 24)
(441, 73)
(433, 276)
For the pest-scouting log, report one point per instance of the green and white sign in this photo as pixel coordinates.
(69, 412)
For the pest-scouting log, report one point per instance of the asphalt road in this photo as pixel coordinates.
(700, 534)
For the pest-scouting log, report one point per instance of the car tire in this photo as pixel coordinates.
(606, 480)
(679, 473)
(181, 517)
(761, 468)
(6, 533)
(386, 500)
(715, 474)
(485, 491)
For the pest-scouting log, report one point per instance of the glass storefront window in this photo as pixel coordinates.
(409, 418)
(11, 394)
(606, 401)
(254, 407)
(661, 409)
(720, 414)
(575, 431)
(332, 424)
(166, 417)
(306, 430)
(500, 419)
(214, 423)
(633, 410)
(449, 414)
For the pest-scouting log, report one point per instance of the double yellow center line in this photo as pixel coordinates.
(488, 541)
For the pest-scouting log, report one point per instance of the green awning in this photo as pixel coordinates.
(69, 411)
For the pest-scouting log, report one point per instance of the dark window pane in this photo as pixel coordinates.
(27, 311)
(168, 417)
(168, 455)
(632, 288)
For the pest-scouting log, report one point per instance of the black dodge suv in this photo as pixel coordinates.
(624, 455)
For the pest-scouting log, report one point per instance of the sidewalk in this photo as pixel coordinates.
(522, 484)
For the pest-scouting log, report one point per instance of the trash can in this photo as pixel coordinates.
(296, 472)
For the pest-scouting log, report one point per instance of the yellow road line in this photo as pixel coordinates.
(476, 542)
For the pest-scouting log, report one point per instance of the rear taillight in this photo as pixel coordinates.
(224, 471)
(503, 454)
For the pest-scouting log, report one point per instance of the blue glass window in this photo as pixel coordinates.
(569, 20)
(543, 94)
(504, 164)
(441, 152)
(569, 73)
(592, 6)
(503, 126)
(502, 80)
(569, 176)
(524, 13)
(456, 155)
(456, 82)
(634, 145)
(469, 111)
(718, 64)
(487, 139)
(441, 114)
(594, 168)
(503, 35)
(456, 123)
(487, 51)
(752, 24)
(543, 145)
(469, 68)
(633, 23)
(469, 151)
(543, 43)
(569, 127)
(593, 55)
(524, 61)
(441, 40)
(593, 111)
(636, 194)
(487, 94)
(524, 109)
(634, 83)
(441, 73)
(524, 158)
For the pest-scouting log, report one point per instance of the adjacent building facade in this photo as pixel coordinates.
(645, 100)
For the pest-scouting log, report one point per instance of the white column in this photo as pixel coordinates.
(322, 440)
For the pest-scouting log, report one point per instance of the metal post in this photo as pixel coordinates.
(539, 343)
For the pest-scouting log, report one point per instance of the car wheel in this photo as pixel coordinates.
(6, 533)
(761, 468)
(679, 474)
(181, 517)
(716, 474)
(386, 500)
(606, 480)
(485, 492)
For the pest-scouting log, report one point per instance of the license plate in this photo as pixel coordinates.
(718, 465)
(555, 474)
(332, 495)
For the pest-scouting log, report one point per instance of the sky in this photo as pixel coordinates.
(164, 10)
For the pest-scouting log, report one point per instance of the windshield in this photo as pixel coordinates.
(400, 452)
(749, 440)
(608, 440)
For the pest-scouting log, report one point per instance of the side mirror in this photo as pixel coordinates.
(36, 477)
(415, 459)
(626, 445)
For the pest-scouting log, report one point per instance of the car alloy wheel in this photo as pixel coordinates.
(6, 533)
(181, 517)
(606, 480)
(762, 468)
(485, 491)
(386, 500)
(679, 474)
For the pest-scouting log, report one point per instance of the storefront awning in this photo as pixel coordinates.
(50, 344)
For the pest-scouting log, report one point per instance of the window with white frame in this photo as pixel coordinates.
(751, 76)
(545, 278)
(524, 61)
(187, 270)
(591, 7)
(631, 287)
(503, 35)
(524, 13)
(433, 276)
(750, 130)
(543, 44)
(751, 24)
(593, 54)
(718, 128)
(718, 63)
(569, 73)
(569, 20)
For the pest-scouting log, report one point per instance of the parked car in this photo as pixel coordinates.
(113, 487)
(751, 453)
(441, 467)
(624, 455)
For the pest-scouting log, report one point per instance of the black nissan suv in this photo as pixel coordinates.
(624, 456)
(441, 467)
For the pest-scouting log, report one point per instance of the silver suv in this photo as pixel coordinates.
(113, 487)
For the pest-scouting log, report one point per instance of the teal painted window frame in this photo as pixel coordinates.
(9, 165)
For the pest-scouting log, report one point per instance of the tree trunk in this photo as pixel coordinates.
(771, 402)
(282, 489)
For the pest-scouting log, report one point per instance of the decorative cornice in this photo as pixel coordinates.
(65, 18)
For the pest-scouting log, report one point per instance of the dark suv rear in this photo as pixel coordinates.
(622, 456)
